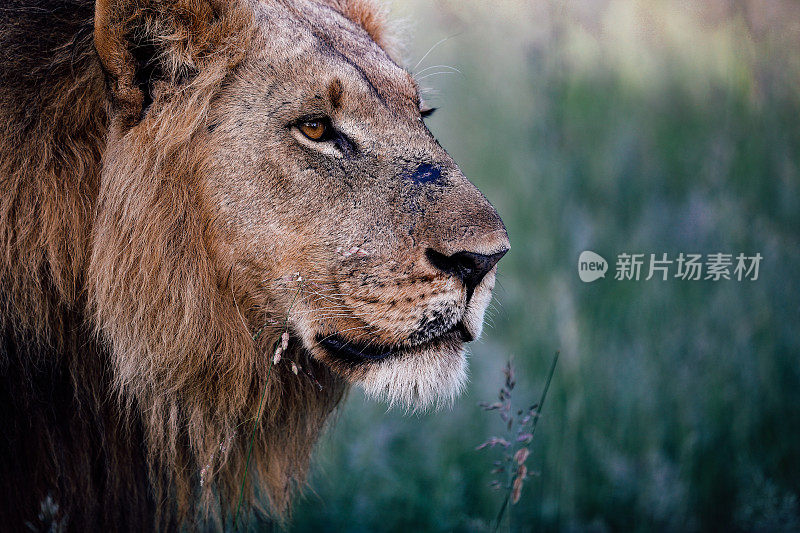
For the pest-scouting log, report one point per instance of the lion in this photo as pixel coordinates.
(215, 217)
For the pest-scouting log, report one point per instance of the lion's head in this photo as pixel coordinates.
(265, 168)
(313, 185)
(320, 165)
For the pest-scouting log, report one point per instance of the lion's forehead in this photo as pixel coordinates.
(313, 40)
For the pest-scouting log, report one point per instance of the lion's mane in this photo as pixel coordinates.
(131, 379)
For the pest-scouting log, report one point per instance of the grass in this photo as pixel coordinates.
(521, 428)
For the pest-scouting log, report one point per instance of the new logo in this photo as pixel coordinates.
(591, 266)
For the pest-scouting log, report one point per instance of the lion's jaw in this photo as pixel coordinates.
(429, 370)
(433, 372)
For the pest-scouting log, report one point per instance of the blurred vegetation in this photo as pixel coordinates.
(615, 126)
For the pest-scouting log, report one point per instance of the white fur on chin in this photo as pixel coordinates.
(418, 381)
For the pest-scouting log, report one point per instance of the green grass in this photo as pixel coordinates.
(676, 404)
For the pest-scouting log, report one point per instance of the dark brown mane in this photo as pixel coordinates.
(53, 116)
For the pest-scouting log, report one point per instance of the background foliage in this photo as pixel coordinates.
(616, 126)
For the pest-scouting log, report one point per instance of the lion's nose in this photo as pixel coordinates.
(469, 267)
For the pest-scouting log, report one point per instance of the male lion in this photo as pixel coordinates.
(181, 181)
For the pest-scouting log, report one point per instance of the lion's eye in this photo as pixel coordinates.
(426, 112)
(316, 130)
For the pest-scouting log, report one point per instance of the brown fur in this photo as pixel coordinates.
(369, 16)
(160, 226)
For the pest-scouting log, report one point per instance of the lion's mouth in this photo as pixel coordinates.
(357, 352)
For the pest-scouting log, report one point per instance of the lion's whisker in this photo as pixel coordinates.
(436, 66)
(432, 48)
(434, 74)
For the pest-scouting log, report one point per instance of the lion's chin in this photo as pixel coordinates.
(430, 378)
(427, 375)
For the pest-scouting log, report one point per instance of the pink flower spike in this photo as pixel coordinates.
(521, 455)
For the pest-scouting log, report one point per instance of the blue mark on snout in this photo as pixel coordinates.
(425, 173)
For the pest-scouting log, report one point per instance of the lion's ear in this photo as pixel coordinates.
(144, 43)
